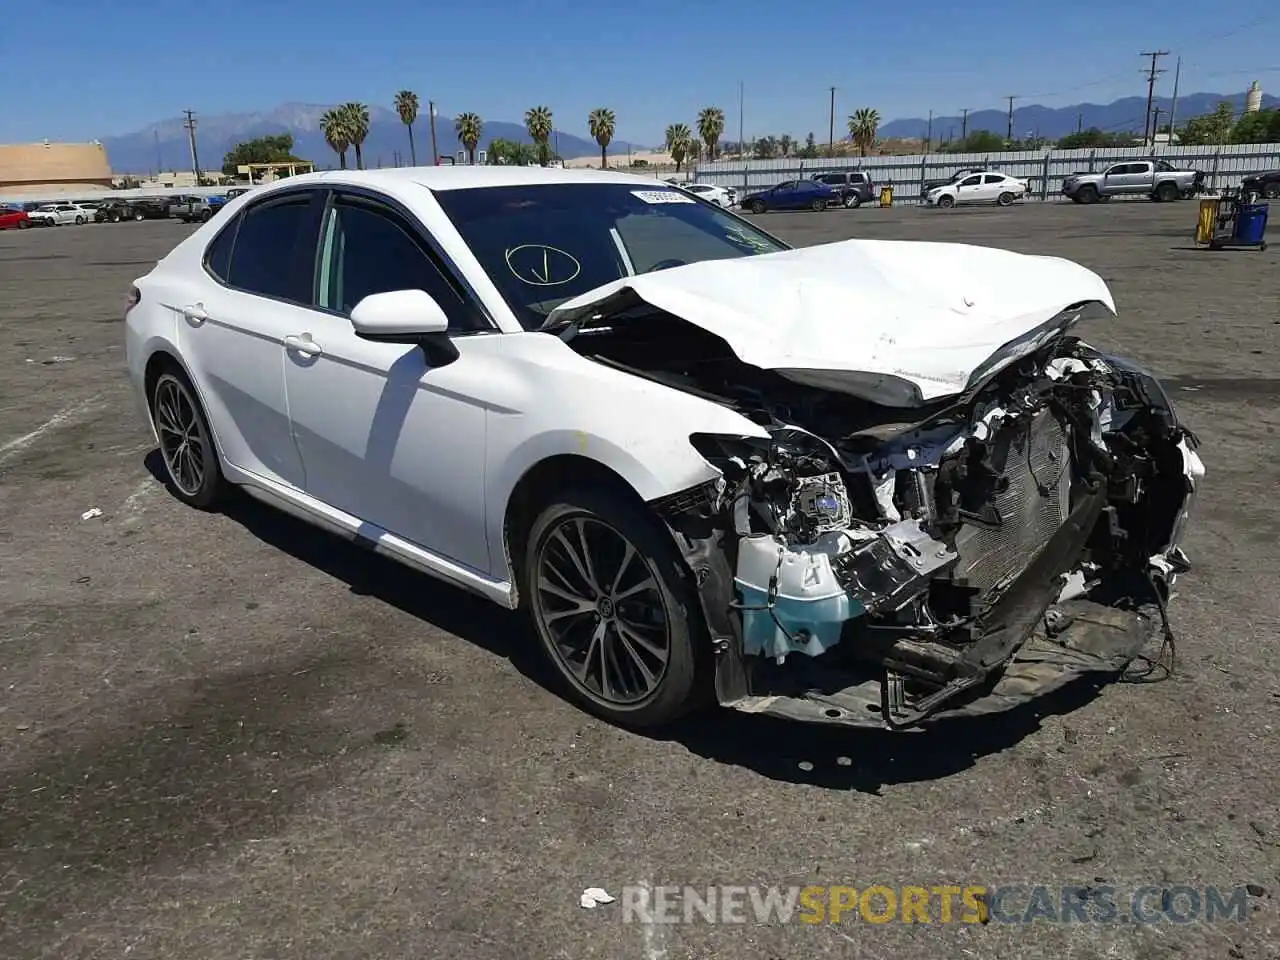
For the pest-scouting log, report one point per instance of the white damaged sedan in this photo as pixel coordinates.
(865, 483)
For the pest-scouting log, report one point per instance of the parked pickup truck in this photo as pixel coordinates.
(190, 209)
(1156, 179)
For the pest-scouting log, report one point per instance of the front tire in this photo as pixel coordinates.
(79, 221)
(1271, 191)
(756, 206)
(946, 203)
(1088, 193)
(613, 607)
(191, 465)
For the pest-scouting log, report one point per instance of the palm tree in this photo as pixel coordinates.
(601, 122)
(537, 121)
(356, 117)
(678, 138)
(469, 126)
(710, 127)
(333, 124)
(407, 107)
(786, 143)
(862, 128)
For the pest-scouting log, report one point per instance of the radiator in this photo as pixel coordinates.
(1029, 511)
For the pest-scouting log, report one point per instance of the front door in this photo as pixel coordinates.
(969, 190)
(393, 434)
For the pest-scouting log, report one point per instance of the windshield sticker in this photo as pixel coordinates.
(662, 196)
(542, 266)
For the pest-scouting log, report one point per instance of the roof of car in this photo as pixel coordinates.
(466, 177)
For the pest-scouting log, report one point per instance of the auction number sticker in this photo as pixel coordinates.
(661, 196)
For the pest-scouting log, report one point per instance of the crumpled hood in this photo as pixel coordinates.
(897, 322)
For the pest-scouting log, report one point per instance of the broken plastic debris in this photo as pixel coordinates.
(592, 897)
(91, 513)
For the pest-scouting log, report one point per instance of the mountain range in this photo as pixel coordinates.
(1119, 116)
(164, 145)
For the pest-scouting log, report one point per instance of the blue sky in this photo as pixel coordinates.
(653, 61)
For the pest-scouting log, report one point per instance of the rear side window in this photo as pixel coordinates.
(265, 248)
(217, 256)
(993, 178)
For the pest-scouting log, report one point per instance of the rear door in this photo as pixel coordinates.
(233, 328)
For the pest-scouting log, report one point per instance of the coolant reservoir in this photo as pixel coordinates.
(810, 604)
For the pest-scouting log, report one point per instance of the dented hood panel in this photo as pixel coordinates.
(897, 322)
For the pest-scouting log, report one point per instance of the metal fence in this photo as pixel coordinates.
(1223, 166)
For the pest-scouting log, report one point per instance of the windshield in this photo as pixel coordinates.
(543, 244)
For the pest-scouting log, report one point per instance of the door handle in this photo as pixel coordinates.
(195, 313)
(304, 345)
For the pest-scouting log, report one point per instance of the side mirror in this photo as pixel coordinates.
(406, 316)
(399, 316)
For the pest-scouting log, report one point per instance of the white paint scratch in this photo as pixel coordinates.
(133, 505)
(11, 448)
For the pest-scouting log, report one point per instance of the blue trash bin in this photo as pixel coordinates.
(1251, 224)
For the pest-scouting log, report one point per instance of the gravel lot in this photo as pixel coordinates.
(231, 736)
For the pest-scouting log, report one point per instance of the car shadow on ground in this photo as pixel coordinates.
(828, 756)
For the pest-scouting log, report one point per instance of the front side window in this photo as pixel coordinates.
(263, 255)
(543, 244)
(971, 182)
(366, 248)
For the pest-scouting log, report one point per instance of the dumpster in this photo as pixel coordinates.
(886, 195)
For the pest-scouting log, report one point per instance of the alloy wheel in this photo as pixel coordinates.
(598, 603)
(182, 438)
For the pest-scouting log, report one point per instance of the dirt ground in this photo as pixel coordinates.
(232, 736)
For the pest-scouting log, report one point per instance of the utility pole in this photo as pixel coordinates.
(831, 133)
(435, 153)
(1155, 56)
(1155, 127)
(1080, 122)
(1173, 107)
(964, 123)
(158, 160)
(190, 123)
(741, 147)
(928, 137)
(1009, 133)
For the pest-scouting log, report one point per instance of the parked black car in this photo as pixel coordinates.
(151, 208)
(854, 187)
(114, 211)
(1266, 184)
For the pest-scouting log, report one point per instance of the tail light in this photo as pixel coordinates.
(135, 296)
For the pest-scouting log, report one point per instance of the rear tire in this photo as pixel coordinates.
(1271, 191)
(1005, 199)
(1166, 192)
(23, 224)
(192, 470)
(205, 215)
(79, 221)
(819, 206)
(138, 217)
(614, 607)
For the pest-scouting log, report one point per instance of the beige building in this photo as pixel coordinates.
(44, 168)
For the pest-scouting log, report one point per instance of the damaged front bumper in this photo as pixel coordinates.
(965, 563)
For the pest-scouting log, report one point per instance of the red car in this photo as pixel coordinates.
(13, 219)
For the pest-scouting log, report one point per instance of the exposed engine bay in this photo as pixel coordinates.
(870, 565)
